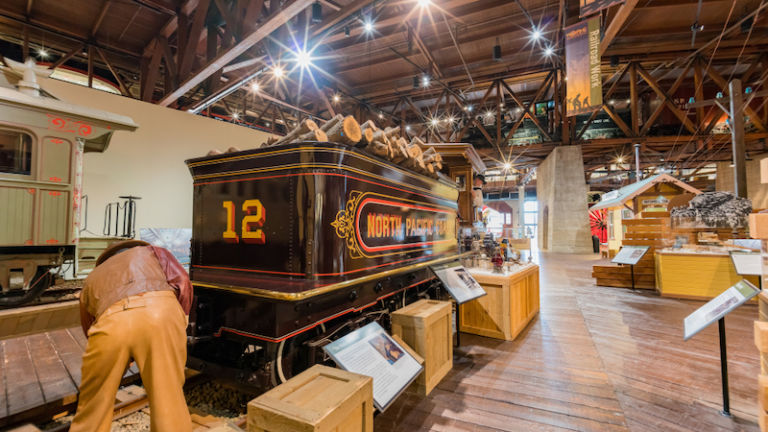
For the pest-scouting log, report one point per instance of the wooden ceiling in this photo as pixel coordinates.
(193, 53)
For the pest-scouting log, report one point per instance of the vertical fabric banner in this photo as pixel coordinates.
(588, 7)
(582, 67)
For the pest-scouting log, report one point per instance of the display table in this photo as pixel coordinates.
(511, 303)
(701, 276)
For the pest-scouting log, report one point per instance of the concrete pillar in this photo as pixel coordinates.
(562, 194)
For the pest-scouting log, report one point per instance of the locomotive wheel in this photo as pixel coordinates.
(42, 280)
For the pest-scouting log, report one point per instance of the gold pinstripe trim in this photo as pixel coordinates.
(308, 150)
(259, 292)
(332, 166)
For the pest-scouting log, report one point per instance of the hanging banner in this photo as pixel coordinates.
(582, 66)
(588, 7)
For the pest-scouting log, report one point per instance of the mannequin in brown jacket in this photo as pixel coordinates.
(133, 307)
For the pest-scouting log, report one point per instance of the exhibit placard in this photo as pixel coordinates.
(458, 282)
(584, 91)
(718, 307)
(747, 264)
(372, 352)
(630, 254)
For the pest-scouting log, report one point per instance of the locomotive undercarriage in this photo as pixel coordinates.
(260, 364)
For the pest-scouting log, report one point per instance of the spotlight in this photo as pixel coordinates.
(42, 53)
(381, 116)
(468, 108)
(425, 81)
(549, 51)
(497, 51)
(489, 114)
(346, 31)
(317, 12)
(236, 116)
(451, 119)
(536, 34)
(507, 166)
(303, 58)
(424, 3)
(620, 159)
(407, 128)
(278, 71)
(255, 86)
(434, 122)
(628, 101)
(336, 98)
(368, 26)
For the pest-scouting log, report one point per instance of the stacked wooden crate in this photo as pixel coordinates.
(427, 327)
(758, 229)
(651, 230)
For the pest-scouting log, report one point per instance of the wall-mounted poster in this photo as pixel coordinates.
(588, 7)
(584, 91)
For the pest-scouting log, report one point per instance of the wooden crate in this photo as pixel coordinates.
(318, 399)
(651, 230)
(511, 303)
(426, 326)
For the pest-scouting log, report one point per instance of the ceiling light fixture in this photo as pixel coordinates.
(278, 71)
(42, 53)
(424, 3)
(317, 12)
(255, 86)
(336, 98)
(425, 81)
(236, 116)
(507, 166)
(549, 51)
(535, 34)
(434, 122)
(303, 58)
(496, 55)
(368, 26)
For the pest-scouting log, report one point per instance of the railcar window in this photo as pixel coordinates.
(15, 152)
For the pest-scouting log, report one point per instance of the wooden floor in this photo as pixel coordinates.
(596, 359)
(40, 373)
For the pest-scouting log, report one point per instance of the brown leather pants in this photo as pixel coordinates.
(150, 329)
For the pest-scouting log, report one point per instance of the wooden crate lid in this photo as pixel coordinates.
(423, 309)
(315, 394)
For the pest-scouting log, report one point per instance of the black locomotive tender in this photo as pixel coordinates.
(294, 246)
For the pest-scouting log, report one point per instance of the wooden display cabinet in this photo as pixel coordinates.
(426, 326)
(319, 399)
(511, 302)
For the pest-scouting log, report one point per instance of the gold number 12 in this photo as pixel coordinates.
(255, 215)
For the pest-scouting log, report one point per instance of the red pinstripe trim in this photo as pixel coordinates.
(310, 327)
(248, 270)
(317, 174)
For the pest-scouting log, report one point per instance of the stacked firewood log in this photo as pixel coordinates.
(385, 143)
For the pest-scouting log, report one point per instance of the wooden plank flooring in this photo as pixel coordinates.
(40, 374)
(595, 359)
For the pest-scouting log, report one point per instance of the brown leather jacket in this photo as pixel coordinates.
(134, 271)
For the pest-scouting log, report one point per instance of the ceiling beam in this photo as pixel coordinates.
(272, 23)
(616, 24)
(100, 17)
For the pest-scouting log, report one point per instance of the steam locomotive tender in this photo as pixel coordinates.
(294, 246)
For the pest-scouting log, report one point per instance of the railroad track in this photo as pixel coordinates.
(130, 413)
